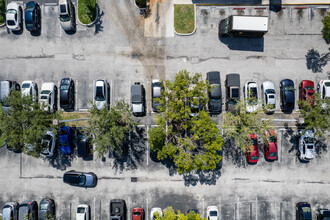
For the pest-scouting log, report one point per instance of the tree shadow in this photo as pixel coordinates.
(98, 22)
(203, 177)
(60, 161)
(316, 61)
(233, 154)
(320, 147)
(292, 138)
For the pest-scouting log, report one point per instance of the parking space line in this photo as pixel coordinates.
(275, 207)
(219, 206)
(256, 208)
(147, 210)
(203, 208)
(93, 91)
(94, 208)
(237, 212)
(111, 91)
(76, 95)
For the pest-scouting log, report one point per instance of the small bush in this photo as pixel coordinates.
(326, 27)
(2, 11)
(87, 11)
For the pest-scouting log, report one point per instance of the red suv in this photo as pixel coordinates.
(270, 145)
(137, 214)
(306, 91)
(252, 153)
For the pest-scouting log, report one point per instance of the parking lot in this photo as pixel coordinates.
(116, 50)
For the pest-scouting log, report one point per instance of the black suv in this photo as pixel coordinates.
(118, 209)
(287, 95)
(28, 210)
(47, 209)
(67, 93)
(215, 95)
(232, 91)
(138, 99)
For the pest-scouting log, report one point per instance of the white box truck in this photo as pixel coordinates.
(243, 26)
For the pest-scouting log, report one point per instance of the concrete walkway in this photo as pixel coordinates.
(253, 2)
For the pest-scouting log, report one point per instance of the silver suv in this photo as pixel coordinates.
(306, 145)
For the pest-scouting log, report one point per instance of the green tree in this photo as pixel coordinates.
(169, 214)
(317, 116)
(24, 123)
(240, 125)
(326, 27)
(109, 128)
(192, 142)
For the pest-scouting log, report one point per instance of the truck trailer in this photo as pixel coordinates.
(243, 26)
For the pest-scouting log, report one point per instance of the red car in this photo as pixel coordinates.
(306, 91)
(270, 145)
(252, 153)
(137, 214)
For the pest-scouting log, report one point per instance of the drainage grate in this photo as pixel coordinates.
(134, 179)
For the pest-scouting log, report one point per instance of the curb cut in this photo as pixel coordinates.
(90, 24)
(189, 34)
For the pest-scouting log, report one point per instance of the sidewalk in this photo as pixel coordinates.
(253, 2)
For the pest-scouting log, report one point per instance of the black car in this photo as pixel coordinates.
(28, 210)
(323, 214)
(232, 91)
(303, 211)
(82, 179)
(83, 144)
(287, 95)
(215, 96)
(118, 209)
(32, 16)
(156, 91)
(67, 93)
(47, 209)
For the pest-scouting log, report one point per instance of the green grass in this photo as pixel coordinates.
(87, 11)
(3, 11)
(74, 115)
(2, 141)
(184, 18)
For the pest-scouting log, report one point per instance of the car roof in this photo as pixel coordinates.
(136, 93)
(233, 79)
(213, 77)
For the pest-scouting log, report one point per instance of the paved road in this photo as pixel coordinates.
(116, 49)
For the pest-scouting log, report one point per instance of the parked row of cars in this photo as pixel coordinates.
(306, 146)
(118, 211)
(32, 15)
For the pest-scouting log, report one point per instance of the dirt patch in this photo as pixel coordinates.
(75, 115)
(322, 11)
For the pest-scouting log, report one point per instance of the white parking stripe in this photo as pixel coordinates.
(76, 95)
(147, 210)
(94, 208)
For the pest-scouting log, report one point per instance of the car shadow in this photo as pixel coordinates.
(36, 33)
(72, 32)
(320, 147)
(243, 43)
(61, 161)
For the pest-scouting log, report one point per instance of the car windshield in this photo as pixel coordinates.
(136, 213)
(99, 94)
(213, 213)
(254, 158)
(43, 206)
(64, 18)
(81, 210)
(309, 88)
(310, 93)
(64, 144)
(289, 88)
(234, 93)
(11, 22)
(270, 91)
(309, 140)
(64, 87)
(232, 102)
(327, 84)
(253, 92)
(23, 211)
(11, 11)
(306, 209)
(272, 138)
(45, 92)
(25, 85)
(82, 180)
(273, 154)
(254, 141)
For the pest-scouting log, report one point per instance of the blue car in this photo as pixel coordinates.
(32, 16)
(287, 95)
(303, 211)
(65, 140)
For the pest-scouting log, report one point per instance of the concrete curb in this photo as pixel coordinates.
(189, 34)
(90, 24)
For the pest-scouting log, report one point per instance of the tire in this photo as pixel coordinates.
(17, 87)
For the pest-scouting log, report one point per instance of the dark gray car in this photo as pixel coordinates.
(215, 95)
(82, 179)
(10, 211)
(28, 210)
(138, 100)
(67, 93)
(47, 209)
(232, 91)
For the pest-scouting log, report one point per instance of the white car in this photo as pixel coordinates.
(251, 96)
(268, 96)
(48, 95)
(82, 212)
(154, 211)
(66, 12)
(14, 16)
(101, 94)
(306, 145)
(323, 88)
(48, 142)
(30, 88)
(212, 213)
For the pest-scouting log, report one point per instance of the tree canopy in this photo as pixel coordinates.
(317, 116)
(326, 27)
(24, 123)
(109, 128)
(192, 140)
(240, 125)
(169, 214)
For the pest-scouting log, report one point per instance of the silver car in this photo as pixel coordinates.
(66, 14)
(268, 96)
(306, 145)
(10, 211)
(251, 96)
(101, 94)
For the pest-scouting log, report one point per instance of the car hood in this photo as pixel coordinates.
(215, 105)
(251, 108)
(89, 180)
(100, 104)
(26, 91)
(213, 218)
(10, 17)
(289, 96)
(66, 25)
(309, 153)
